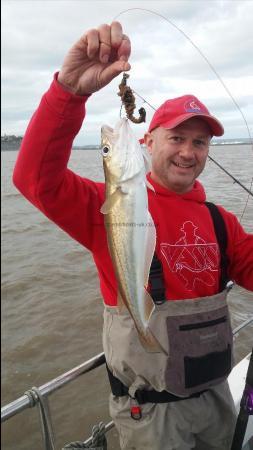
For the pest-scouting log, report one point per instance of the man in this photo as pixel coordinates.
(179, 400)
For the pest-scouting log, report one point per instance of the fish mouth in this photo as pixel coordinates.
(106, 129)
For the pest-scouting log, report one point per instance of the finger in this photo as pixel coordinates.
(113, 70)
(92, 38)
(124, 50)
(105, 42)
(116, 34)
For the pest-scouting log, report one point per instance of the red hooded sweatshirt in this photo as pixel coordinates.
(186, 241)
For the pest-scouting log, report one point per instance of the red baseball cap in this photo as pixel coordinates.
(175, 111)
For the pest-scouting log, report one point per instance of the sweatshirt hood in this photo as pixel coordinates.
(196, 194)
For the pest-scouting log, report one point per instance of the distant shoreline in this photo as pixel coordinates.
(220, 144)
(11, 147)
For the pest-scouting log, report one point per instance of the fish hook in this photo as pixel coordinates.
(128, 100)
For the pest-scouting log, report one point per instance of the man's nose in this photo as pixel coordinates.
(187, 150)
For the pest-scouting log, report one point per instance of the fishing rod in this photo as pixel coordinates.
(246, 409)
(231, 176)
(171, 23)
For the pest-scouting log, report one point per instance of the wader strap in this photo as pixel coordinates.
(142, 396)
(221, 235)
(156, 281)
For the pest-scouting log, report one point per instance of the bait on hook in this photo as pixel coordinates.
(128, 100)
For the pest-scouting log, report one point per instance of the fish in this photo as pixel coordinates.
(131, 232)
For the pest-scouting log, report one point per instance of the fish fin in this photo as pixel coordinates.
(148, 340)
(147, 159)
(149, 185)
(149, 247)
(147, 163)
(120, 303)
(150, 343)
(124, 189)
(148, 306)
(109, 202)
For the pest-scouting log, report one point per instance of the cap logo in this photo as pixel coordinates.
(192, 106)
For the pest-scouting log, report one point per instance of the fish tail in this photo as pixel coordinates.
(150, 343)
(148, 340)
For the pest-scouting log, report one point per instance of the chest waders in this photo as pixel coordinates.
(196, 334)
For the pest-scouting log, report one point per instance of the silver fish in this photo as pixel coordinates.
(130, 228)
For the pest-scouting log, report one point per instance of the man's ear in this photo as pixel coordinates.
(148, 140)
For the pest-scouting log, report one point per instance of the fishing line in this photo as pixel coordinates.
(211, 159)
(249, 191)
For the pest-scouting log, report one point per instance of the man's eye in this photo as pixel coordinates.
(176, 138)
(200, 143)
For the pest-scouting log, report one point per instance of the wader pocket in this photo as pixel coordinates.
(207, 368)
(209, 323)
(200, 351)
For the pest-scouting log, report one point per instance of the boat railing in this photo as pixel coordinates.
(24, 402)
(15, 407)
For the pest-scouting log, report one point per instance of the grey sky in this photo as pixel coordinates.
(37, 34)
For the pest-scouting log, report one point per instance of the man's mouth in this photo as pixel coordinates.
(182, 166)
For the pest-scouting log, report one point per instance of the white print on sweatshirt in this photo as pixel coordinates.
(193, 259)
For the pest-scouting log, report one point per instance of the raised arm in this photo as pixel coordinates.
(41, 172)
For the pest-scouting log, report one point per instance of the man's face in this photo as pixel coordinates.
(179, 155)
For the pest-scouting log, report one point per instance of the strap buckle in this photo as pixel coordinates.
(136, 413)
(135, 409)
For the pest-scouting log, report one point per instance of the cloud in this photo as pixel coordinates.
(165, 63)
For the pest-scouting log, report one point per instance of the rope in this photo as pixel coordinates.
(35, 398)
(97, 441)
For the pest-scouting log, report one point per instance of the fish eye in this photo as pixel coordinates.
(105, 150)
